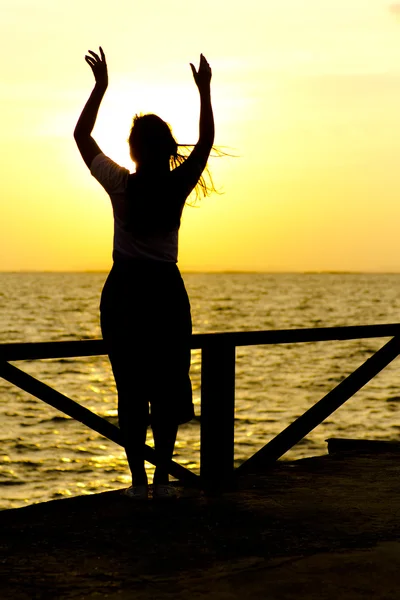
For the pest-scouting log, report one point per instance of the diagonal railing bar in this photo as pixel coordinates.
(71, 408)
(46, 350)
(302, 426)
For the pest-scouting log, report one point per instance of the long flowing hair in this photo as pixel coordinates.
(151, 138)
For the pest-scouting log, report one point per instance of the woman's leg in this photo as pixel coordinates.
(165, 431)
(133, 417)
(176, 390)
(118, 317)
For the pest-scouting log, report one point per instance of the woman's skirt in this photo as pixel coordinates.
(146, 325)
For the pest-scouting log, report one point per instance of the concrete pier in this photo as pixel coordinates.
(321, 528)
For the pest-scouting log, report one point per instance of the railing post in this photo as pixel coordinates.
(217, 412)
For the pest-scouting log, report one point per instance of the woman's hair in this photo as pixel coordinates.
(151, 139)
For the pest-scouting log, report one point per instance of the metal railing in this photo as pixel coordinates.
(217, 391)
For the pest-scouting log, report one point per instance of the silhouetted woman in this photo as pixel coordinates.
(145, 310)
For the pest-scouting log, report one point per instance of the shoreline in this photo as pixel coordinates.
(312, 528)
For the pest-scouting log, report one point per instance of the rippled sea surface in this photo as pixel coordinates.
(46, 455)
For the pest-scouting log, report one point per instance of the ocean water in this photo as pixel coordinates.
(46, 455)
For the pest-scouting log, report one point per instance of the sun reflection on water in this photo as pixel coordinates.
(46, 453)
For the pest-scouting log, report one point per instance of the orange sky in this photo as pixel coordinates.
(306, 93)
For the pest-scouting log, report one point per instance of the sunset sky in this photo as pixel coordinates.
(306, 94)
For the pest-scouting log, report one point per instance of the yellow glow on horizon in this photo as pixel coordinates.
(306, 96)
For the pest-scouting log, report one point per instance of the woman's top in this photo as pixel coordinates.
(147, 212)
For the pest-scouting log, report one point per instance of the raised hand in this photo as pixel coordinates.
(202, 77)
(99, 67)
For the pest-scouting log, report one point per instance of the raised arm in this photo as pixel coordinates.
(202, 78)
(189, 172)
(84, 127)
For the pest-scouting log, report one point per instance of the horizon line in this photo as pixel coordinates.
(215, 271)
